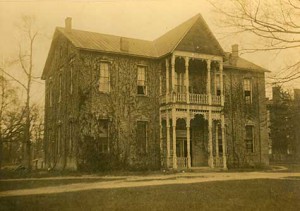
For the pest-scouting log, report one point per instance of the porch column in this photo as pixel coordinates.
(223, 141)
(188, 140)
(168, 138)
(173, 72)
(208, 88)
(167, 77)
(174, 138)
(210, 144)
(221, 84)
(187, 79)
(217, 144)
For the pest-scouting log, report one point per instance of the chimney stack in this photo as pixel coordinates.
(276, 94)
(124, 44)
(234, 54)
(68, 24)
(235, 50)
(297, 96)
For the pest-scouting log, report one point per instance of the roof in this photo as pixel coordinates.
(111, 43)
(193, 35)
(240, 63)
(108, 43)
(168, 42)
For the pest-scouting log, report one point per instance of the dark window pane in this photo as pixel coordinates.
(141, 90)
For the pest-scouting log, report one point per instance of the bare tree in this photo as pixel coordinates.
(11, 118)
(275, 22)
(28, 33)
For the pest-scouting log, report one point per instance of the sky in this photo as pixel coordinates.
(143, 19)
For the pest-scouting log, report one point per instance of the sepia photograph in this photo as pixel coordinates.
(149, 105)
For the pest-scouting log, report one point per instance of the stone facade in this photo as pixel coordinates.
(144, 105)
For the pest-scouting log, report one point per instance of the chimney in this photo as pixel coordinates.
(234, 54)
(124, 44)
(235, 50)
(68, 24)
(297, 96)
(276, 94)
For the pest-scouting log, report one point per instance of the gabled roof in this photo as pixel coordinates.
(192, 35)
(156, 48)
(168, 42)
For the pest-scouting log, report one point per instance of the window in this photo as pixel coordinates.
(58, 141)
(61, 52)
(50, 94)
(141, 81)
(141, 135)
(247, 91)
(249, 138)
(70, 138)
(104, 81)
(60, 88)
(219, 136)
(103, 142)
(71, 80)
(179, 80)
(218, 85)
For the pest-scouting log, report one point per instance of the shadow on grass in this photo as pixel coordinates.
(260, 194)
(29, 184)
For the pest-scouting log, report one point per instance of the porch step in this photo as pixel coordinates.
(206, 169)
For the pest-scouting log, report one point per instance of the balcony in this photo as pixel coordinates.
(198, 99)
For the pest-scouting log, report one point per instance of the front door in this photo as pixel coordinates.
(199, 148)
(181, 152)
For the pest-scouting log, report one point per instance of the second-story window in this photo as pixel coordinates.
(50, 93)
(218, 85)
(141, 81)
(104, 81)
(179, 80)
(71, 80)
(247, 91)
(60, 88)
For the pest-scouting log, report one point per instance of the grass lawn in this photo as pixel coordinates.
(260, 194)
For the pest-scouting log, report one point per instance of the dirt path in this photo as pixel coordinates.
(140, 181)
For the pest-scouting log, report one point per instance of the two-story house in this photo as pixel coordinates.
(178, 101)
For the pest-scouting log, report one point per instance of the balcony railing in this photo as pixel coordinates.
(199, 99)
(215, 100)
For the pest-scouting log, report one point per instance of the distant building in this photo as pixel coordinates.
(178, 101)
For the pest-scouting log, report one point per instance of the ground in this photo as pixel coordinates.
(266, 190)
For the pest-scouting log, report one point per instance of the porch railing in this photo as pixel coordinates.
(199, 98)
(180, 97)
(216, 100)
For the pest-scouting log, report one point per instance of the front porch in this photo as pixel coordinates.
(192, 124)
(194, 146)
